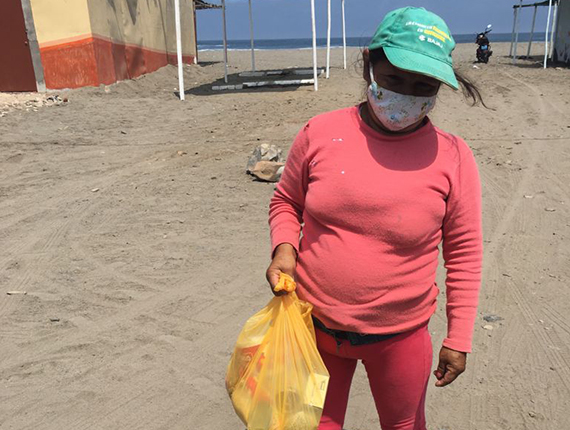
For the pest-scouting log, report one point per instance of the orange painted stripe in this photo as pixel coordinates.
(95, 60)
(70, 41)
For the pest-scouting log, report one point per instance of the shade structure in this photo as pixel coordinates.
(314, 34)
(329, 24)
(314, 39)
(549, 31)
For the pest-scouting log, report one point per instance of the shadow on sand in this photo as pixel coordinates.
(207, 63)
(281, 80)
(533, 62)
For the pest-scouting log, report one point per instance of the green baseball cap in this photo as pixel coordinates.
(418, 41)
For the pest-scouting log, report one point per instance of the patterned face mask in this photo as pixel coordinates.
(394, 110)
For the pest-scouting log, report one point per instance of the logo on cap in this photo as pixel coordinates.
(430, 30)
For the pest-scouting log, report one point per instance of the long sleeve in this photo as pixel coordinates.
(367, 213)
(463, 252)
(288, 202)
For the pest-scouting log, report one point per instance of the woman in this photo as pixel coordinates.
(378, 188)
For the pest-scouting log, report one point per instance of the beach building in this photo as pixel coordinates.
(562, 38)
(55, 44)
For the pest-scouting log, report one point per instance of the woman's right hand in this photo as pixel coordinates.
(284, 260)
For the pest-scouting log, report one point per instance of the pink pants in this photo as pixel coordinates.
(398, 370)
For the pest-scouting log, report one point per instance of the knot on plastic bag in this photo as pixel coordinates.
(286, 283)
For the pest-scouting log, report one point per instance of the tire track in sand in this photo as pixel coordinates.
(41, 246)
(545, 339)
(477, 407)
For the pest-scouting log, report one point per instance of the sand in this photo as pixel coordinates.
(128, 219)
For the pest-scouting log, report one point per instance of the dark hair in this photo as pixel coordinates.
(469, 89)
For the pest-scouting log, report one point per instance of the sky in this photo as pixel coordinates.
(291, 19)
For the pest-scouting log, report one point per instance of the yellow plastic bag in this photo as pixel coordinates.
(276, 378)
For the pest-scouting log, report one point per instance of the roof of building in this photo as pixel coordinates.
(540, 3)
(201, 5)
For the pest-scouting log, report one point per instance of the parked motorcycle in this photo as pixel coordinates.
(484, 46)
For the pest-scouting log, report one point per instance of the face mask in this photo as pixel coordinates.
(394, 110)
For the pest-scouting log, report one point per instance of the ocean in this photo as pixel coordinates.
(359, 42)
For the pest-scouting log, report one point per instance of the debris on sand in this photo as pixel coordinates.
(492, 318)
(264, 152)
(28, 102)
(268, 171)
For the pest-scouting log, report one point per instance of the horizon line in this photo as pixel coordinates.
(332, 37)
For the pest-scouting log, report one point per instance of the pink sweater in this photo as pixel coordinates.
(375, 209)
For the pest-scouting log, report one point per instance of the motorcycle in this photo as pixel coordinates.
(484, 47)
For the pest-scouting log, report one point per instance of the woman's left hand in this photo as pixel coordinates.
(451, 365)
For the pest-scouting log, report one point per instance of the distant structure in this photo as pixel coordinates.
(562, 40)
(557, 33)
(56, 44)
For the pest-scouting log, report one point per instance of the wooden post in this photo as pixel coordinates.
(343, 33)
(225, 42)
(515, 12)
(554, 26)
(251, 34)
(517, 32)
(531, 32)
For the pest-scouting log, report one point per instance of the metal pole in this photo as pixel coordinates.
(195, 34)
(251, 34)
(515, 13)
(517, 33)
(546, 36)
(328, 37)
(179, 49)
(531, 32)
(34, 46)
(225, 42)
(343, 33)
(553, 30)
(314, 25)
